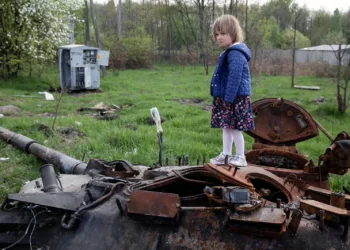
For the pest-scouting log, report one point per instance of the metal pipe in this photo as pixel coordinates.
(66, 164)
(325, 132)
(49, 178)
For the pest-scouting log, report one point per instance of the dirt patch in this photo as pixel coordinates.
(102, 111)
(149, 121)
(107, 117)
(205, 105)
(320, 100)
(42, 128)
(70, 133)
(9, 110)
(130, 126)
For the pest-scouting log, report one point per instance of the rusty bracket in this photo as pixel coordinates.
(327, 212)
(294, 223)
(154, 207)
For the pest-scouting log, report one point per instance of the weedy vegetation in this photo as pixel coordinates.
(182, 97)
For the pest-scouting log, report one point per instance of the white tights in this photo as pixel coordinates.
(230, 136)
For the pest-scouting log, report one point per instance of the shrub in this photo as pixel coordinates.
(131, 53)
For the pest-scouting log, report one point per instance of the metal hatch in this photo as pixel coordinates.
(281, 122)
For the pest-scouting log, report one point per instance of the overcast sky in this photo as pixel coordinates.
(328, 5)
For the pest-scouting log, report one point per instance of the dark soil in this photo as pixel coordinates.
(196, 102)
(70, 133)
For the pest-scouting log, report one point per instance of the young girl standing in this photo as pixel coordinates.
(230, 88)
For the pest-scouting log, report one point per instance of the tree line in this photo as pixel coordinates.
(139, 33)
(185, 25)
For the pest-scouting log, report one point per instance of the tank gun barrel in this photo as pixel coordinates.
(64, 163)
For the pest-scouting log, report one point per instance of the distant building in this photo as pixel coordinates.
(323, 53)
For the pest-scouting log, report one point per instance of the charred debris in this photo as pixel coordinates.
(282, 200)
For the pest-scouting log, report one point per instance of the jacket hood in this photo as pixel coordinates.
(242, 48)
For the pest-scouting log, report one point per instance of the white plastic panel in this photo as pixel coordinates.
(103, 57)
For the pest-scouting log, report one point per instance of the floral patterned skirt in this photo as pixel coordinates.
(237, 115)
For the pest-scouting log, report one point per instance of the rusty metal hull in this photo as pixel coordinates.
(281, 122)
(256, 177)
(105, 228)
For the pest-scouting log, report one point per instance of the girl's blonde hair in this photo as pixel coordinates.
(228, 24)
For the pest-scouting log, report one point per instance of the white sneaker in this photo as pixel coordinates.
(220, 159)
(239, 161)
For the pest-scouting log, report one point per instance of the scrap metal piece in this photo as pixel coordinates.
(324, 196)
(247, 208)
(304, 171)
(153, 207)
(226, 175)
(287, 211)
(254, 177)
(294, 223)
(281, 122)
(236, 195)
(190, 193)
(337, 200)
(321, 224)
(116, 168)
(66, 201)
(314, 207)
(241, 200)
(263, 222)
(336, 159)
(331, 213)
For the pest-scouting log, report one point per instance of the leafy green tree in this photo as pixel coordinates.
(301, 41)
(320, 26)
(346, 25)
(280, 10)
(273, 36)
(336, 22)
(107, 17)
(303, 20)
(31, 31)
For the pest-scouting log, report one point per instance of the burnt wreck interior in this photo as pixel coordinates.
(282, 200)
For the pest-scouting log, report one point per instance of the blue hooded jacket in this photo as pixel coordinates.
(231, 77)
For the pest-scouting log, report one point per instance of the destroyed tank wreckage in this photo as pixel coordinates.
(280, 201)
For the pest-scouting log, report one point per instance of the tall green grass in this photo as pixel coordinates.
(182, 98)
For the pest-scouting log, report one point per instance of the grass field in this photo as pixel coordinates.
(182, 98)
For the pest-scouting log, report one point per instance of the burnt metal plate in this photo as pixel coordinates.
(155, 204)
(227, 175)
(262, 215)
(312, 206)
(66, 201)
(279, 121)
(117, 168)
(324, 195)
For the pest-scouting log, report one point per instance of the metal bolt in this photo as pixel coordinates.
(278, 203)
